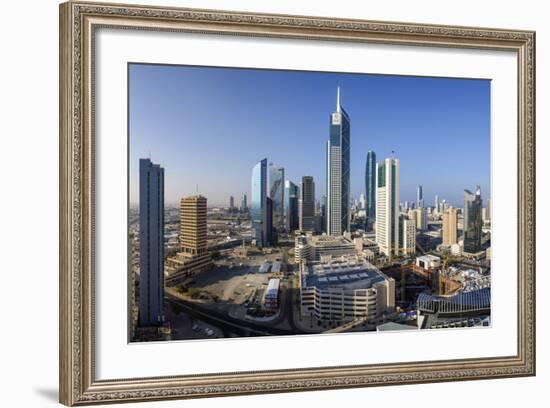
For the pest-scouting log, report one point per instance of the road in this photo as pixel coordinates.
(228, 323)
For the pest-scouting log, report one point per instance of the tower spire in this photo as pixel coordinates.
(338, 99)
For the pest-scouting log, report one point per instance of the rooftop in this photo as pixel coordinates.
(272, 287)
(429, 258)
(349, 273)
(328, 240)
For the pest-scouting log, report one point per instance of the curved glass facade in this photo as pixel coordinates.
(277, 195)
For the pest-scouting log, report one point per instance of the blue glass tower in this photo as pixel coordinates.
(419, 198)
(307, 204)
(260, 209)
(338, 171)
(151, 243)
(291, 206)
(370, 185)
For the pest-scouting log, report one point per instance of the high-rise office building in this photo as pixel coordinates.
(260, 214)
(307, 204)
(324, 213)
(193, 230)
(193, 257)
(419, 197)
(244, 205)
(151, 243)
(443, 206)
(408, 235)
(485, 215)
(449, 229)
(370, 184)
(436, 204)
(277, 195)
(271, 232)
(421, 218)
(472, 221)
(231, 203)
(291, 206)
(488, 211)
(338, 171)
(387, 206)
(362, 201)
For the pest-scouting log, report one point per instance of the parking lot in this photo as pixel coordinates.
(235, 280)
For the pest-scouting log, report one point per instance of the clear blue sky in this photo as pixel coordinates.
(210, 126)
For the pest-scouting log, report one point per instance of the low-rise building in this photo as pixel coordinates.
(371, 245)
(179, 268)
(313, 248)
(264, 267)
(456, 249)
(462, 305)
(368, 255)
(302, 249)
(277, 267)
(271, 295)
(428, 262)
(345, 288)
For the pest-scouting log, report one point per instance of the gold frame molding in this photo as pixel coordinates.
(78, 21)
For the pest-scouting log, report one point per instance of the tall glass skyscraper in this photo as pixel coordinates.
(277, 194)
(370, 184)
(307, 204)
(472, 221)
(151, 243)
(387, 207)
(260, 209)
(291, 206)
(323, 213)
(338, 171)
(419, 198)
(244, 205)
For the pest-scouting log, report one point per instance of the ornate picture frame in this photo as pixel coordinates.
(78, 24)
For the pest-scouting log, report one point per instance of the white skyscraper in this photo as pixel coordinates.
(387, 206)
(362, 201)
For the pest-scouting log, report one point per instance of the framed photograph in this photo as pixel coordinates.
(256, 203)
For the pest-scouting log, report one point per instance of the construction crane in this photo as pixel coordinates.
(443, 275)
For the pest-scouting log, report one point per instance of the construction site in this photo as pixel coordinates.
(437, 276)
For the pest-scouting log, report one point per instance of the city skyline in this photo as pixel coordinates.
(177, 119)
